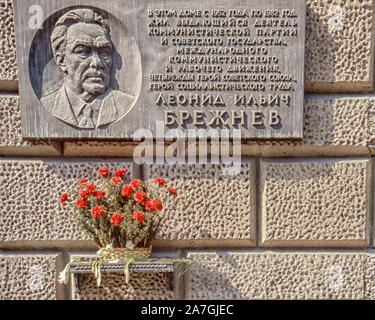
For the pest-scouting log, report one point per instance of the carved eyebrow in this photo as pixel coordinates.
(82, 43)
(103, 44)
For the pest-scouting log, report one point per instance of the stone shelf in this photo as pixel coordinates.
(118, 267)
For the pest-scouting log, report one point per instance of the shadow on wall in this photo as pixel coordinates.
(208, 282)
(299, 170)
(320, 48)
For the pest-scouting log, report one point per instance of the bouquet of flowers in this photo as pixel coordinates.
(116, 214)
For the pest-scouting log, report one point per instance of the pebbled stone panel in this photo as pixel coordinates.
(315, 202)
(8, 60)
(26, 276)
(274, 275)
(29, 196)
(339, 46)
(211, 205)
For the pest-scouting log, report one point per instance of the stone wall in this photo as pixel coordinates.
(295, 223)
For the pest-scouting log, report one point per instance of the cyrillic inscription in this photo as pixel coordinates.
(234, 59)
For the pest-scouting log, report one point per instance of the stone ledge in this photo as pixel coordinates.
(31, 276)
(279, 275)
(315, 202)
(99, 149)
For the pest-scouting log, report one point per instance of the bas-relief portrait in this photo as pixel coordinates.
(83, 51)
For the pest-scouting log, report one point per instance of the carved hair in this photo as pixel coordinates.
(58, 36)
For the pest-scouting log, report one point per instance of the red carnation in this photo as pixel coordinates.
(149, 205)
(153, 204)
(103, 171)
(97, 211)
(126, 191)
(172, 191)
(139, 197)
(91, 187)
(161, 181)
(157, 204)
(116, 219)
(63, 198)
(81, 203)
(116, 180)
(139, 216)
(82, 182)
(84, 194)
(119, 172)
(135, 183)
(99, 194)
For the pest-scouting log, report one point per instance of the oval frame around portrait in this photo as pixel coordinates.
(126, 75)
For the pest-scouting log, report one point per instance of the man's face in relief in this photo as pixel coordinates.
(88, 59)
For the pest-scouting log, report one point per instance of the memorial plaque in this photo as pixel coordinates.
(106, 68)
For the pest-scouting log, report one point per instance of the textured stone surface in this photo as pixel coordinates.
(340, 121)
(315, 202)
(29, 193)
(339, 45)
(25, 276)
(212, 208)
(275, 275)
(11, 141)
(142, 286)
(8, 60)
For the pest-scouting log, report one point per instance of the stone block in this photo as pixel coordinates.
(11, 140)
(339, 46)
(31, 214)
(30, 276)
(142, 285)
(8, 60)
(212, 208)
(315, 202)
(275, 275)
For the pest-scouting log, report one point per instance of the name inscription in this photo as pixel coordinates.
(230, 68)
